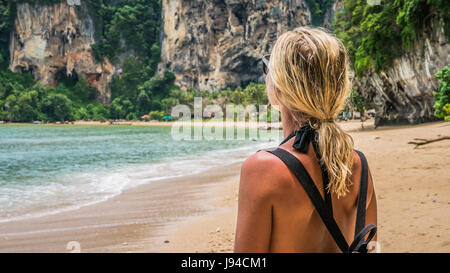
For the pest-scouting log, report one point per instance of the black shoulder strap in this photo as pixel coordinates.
(361, 230)
(306, 181)
(362, 196)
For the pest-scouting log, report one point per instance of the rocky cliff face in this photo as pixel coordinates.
(329, 15)
(216, 44)
(403, 93)
(53, 42)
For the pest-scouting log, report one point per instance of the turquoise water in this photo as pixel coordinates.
(46, 169)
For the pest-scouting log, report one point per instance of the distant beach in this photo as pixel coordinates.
(239, 124)
(196, 212)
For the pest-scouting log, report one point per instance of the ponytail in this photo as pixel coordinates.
(336, 153)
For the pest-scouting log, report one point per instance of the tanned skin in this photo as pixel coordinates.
(275, 213)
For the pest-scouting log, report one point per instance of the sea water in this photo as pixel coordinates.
(46, 169)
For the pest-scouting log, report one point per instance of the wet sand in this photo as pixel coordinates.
(138, 220)
(197, 213)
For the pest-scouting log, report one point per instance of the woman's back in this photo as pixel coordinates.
(297, 226)
(295, 223)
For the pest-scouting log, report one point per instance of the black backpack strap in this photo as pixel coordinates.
(360, 242)
(362, 196)
(306, 181)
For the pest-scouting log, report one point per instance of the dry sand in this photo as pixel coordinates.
(197, 213)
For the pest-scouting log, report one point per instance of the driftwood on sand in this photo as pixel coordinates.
(422, 141)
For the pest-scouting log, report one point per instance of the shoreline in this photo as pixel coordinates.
(137, 220)
(197, 213)
(349, 126)
(368, 124)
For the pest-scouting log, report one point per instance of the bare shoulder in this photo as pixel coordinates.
(265, 173)
(356, 162)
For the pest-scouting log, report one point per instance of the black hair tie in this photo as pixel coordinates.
(303, 137)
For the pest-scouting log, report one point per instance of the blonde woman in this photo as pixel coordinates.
(313, 193)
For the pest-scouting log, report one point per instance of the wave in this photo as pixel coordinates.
(75, 190)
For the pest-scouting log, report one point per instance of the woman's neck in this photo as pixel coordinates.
(288, 123)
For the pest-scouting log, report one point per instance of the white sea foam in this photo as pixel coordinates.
(72, 191)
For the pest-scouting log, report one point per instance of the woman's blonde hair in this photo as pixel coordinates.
(309, 69)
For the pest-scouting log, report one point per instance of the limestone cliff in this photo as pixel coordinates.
(216, 44)
(403, 93)
(53, 42)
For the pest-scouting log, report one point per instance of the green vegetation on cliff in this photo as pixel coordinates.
(127, 26)
(442, 104)
(375, 34)
(22, 99)
(7, 15)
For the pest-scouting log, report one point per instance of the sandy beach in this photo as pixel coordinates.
(245, 124)
(197, 213)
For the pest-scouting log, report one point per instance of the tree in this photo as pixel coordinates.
(117, 110)
(255, 94)
(27, 106)
(374, 35)
(156, 115)
(99, 112)
(142, 103)
(132, 116)
(442, 104)
(10, 106)
(57, 107)
(81, 114)
(83, 91)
